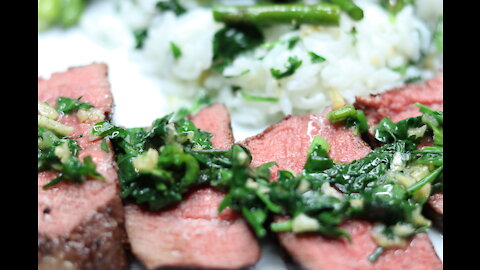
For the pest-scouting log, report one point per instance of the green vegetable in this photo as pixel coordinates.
(281, 226)
(171, 5)
(157, 166)
(175, 170)
(291, 42)
(69, 105)
(68, 166)
(140, 35)
(71, 12)
(195, 107)
(64, 12)
(350, 8)
(351, 117)
(290, 67)
(341, 114)
(175, 50)
(315, 58)
(249, 97)
(320, 14)
(387, 131)
(233, 40)
(438, 35)
(48, 13)
(427, 179)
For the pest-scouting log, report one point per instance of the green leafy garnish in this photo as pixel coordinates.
(140, 35)
(171, 5)
(233, 40)
(291, 42)
(69, 105)
(290, 67)
(250, 97)
(175, 50)
(157, 166)
(59, 154)
(386, 131)
(315, 58)
(351, 117)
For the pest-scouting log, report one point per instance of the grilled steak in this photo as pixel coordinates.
(192, 233)
(397, 104)
(80, 226)
(287, 143)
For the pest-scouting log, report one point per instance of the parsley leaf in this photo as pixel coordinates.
(290, 67)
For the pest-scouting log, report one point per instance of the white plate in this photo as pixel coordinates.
(138, 100)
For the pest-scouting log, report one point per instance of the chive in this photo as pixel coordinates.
(104, 145)
(341, 114)
(249, 97)
(317, 140)
(427, 179)
(281, 226)
(55, 181)
(375, 254)
(361, 123)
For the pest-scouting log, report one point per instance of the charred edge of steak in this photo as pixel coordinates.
(98, 243)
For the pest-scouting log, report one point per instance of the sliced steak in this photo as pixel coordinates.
(80, 226)
(192, 233)
(398, 104)
(287, 143)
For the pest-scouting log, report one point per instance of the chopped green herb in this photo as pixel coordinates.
(69, 105)
(292, 65)
(249, 97)
(140, 35)
(233, 40)
(413, 79)
(245, 72)
(171, 5)
(59, 154)
(315, 58)
(290, 43)
(196, 106)
(157, 166)
(175, 50)
(104, 145)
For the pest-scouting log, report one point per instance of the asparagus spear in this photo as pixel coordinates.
(350, 8)
(319, 14)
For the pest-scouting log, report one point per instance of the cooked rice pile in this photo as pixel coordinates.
(361, 57)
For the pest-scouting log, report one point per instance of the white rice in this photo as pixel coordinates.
(355, 65)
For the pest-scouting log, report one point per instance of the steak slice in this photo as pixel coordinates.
(192, 233)
(287, 143)
(397, 104)
(80, 226)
